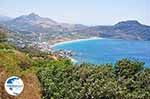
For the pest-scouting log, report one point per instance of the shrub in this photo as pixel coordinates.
(86, 81)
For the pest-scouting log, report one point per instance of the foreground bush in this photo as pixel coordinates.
(126, 80)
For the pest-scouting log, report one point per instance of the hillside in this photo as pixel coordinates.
(129, 30)
(14, 62)
(35, 23)
(28, 29)
(46, 78)
(4, 18)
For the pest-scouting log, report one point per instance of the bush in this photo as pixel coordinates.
(126, 68)
(86, 81)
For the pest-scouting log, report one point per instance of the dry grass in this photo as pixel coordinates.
(13, 62)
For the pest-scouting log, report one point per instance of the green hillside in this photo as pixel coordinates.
(46, 78)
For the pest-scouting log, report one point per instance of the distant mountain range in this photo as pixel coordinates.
(4, 18)
(131, 30)
(33, 26)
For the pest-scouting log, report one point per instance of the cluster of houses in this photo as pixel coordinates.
(42, 46)
(63, 53)
(45, 47)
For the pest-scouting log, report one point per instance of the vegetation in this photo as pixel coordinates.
(60, 79)
(3, 35)
(126, 80)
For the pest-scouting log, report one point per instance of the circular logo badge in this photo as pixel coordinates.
(14, 85)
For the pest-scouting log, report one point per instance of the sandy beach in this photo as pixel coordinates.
(78, 40)
(72, 41)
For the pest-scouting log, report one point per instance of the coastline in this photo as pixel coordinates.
(73, 41)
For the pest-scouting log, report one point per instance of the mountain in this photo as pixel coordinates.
(31, 22)
(34, 19)
(35, 23)
(34, 28)
(130, 30)
(4, 18)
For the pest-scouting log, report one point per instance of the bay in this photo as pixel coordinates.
(101, 51)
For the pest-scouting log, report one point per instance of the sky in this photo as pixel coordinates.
(88, 12)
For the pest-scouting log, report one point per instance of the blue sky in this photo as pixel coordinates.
(88, 12)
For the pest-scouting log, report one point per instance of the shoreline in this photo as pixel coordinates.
(73, 41)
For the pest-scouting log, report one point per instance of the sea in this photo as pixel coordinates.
(103, 50)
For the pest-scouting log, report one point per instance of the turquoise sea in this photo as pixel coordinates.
(101, 51)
